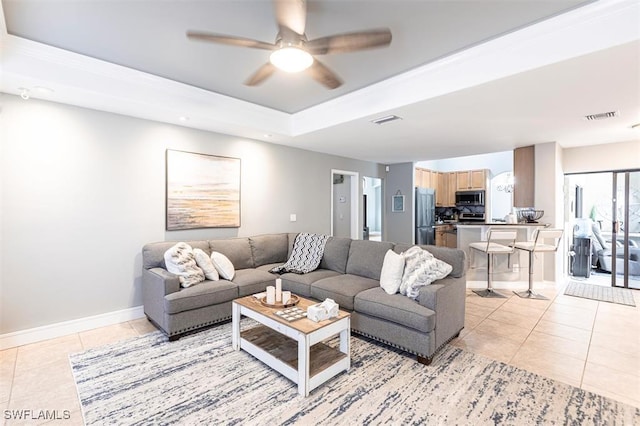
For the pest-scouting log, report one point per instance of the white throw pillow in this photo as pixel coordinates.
(421, 268)
(180, 260)
(391, 274)
(204, 262)
(223, 265)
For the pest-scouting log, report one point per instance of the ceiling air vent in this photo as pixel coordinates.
(601, 116)
(386, 119)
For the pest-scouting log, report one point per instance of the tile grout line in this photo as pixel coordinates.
(534, 326)
(593, 326)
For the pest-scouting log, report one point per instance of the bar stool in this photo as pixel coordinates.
(538, 245)
(491, 247)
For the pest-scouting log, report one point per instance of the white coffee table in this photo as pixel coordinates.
(294, 349)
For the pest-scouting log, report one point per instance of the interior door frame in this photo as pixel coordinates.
(355, 201)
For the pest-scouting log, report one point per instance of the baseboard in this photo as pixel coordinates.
(32, 335)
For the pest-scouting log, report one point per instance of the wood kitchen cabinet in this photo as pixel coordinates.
(441, 190)
(452, 185)
(524, 176)
(445, 236)
(425, 178)
(444, 183)
(471, 180)
(440, 236)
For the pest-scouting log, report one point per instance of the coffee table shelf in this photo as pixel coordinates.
(294, 349)
(285, 349)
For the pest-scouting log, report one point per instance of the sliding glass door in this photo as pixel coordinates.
(625, 229)
(603, 208)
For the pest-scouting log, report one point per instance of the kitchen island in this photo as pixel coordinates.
(469, 232)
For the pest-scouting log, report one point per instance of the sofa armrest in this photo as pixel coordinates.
(156, 284)
(446, 298)
(160, 280)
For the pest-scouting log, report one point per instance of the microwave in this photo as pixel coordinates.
(469, 198)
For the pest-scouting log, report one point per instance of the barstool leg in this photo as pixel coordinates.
(489, 292)
(529, 294)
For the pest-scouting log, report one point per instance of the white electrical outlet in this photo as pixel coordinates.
(293, 217)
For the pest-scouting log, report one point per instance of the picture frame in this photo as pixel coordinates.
(202, 191)
(397, 203)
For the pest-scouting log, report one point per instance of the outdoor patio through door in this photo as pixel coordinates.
(625, 229)
(604, 210)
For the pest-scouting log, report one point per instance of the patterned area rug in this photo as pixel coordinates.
(199, 379)
(622, 296)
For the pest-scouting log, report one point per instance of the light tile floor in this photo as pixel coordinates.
(588, 344)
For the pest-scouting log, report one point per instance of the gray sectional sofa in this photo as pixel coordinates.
(349, 273)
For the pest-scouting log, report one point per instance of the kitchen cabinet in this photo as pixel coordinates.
(425, 178)
(441, 190)
(452, 183)
(471, 180)
(446, 236)
(451, 239)
(524, 176)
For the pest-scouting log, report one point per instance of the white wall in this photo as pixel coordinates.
(600, 158)
(497, 162)
(83, 191)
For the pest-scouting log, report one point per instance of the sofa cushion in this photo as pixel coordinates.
(342, 289)
(396, 308)
(251, 281)
(206, 293)
(153, 253)
(270, 248)
(238, 250)
(336, 252)
(181, 261)
(454, 257)
(223, 265)
(300, 284)
(203, 260)
(268, 267)
(392, 271)
(366, 258)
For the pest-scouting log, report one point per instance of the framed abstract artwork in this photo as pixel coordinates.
(203, 191)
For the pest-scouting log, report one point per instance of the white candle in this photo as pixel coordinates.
(271, 295)
(286, 295)
(278, 289)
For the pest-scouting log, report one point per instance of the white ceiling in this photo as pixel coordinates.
(467, 77)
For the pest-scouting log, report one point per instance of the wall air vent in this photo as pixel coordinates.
(386, 119)
(602, 116)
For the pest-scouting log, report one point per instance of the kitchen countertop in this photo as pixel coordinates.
(488, 224)
(499, 224)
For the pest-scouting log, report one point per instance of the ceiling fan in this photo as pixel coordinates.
(292, 52)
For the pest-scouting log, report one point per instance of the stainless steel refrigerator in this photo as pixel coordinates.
(425, 216)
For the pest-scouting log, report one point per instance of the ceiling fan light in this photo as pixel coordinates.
(291, 59)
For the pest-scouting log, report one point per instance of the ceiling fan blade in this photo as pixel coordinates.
(230, 40)
(291, 14)
(324, 75)
(350, 42)
(261, 75)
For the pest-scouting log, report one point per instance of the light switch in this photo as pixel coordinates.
(293, 217)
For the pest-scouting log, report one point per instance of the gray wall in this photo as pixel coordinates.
(83, 191)
(342, 209)
(398, 226)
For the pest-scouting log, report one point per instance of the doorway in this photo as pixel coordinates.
(345, 204)
(372, 208)
(603, 211)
